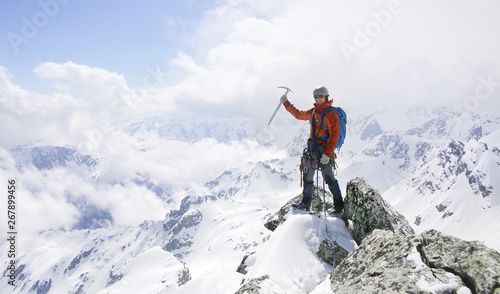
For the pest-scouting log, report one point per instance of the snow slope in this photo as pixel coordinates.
(455, 192)
(208, 237)
(289, 257)
(87, 261)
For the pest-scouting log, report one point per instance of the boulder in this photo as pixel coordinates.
(331, 252)
(260, 285)
(242, 268)
(387, 262)
(476, 264)
(367, 211)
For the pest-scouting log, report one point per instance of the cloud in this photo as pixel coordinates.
(18, 101)
(88, 103)
(102, 89)
(178, 162)
(403, 53)
(56, 199)
(28, 115)
(52, 200)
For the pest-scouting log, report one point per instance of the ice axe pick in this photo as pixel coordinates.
(281, 102)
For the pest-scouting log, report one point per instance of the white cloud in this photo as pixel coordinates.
(413, 52)
(179, 162)
(16, 100)
(102, 89)
(89, 104)
(30, 115)
(130, 204)
(51, 199)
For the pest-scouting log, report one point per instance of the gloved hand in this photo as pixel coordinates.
(283, 99)
(325, 159)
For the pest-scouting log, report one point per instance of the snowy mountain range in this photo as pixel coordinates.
(439, 168)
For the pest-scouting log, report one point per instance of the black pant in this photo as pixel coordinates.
(309, 168)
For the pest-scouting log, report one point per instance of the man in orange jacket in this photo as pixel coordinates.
(319, 154)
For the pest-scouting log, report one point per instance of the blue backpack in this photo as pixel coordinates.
(342, 126)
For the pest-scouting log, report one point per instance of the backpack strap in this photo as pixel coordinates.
(315, 137)
(326, 136)
(314, 142)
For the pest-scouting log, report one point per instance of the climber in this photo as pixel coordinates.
(320, 151)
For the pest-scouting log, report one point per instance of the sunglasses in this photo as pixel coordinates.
(319, 96)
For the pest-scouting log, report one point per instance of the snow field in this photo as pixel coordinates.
(289, 257)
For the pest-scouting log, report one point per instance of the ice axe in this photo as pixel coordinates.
(281, 102)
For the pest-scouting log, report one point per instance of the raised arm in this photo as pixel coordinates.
(298, 114)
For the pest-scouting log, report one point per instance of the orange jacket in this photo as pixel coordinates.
(331, 121)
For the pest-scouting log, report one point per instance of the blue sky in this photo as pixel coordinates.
(125, 37)
(69, 67)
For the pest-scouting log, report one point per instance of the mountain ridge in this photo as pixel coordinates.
(209, 220)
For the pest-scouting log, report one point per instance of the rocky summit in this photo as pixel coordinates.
(428, 263)
(367, 211)
(390, 257)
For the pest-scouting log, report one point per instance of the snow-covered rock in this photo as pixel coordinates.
(290, 257)
(454, 191)
(426, 263)
(111, 260)
(45, 157)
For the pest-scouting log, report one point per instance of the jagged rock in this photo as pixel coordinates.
(476, 264)
(48, 157)
(182, 224)
(372, 130)
(42, 287)
(367, 211)
(457, 159)
(385, 144)
(316, 206)
(174, 216)
(279, 217)
(113, 278)
(180, 238)
(242, 268)
(260, 285)
(78, 259)
(387, 262)
(183, 277)
(380, 263)
(331, 252)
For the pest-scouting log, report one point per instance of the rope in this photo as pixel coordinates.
(324, 206)
(324, 195)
